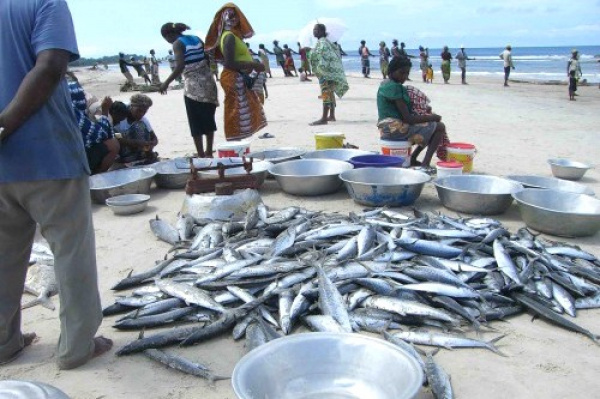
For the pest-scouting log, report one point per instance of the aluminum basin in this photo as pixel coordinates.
(309, 176)
(384, 186)
(169, 176)
(327, 365)
(559, 213)
(340, 154)
(474, 194)
(122, 181)
(567, 169)
(531, 181)
(277, 155)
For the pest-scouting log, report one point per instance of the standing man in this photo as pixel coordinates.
(304, 64)
(364, 53)
(172, 64)
(37, 124)
(124, 70)
(384, 59)
(462, 59)
(506, 56)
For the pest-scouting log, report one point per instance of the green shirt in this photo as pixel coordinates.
(241, 50)
(390, 91)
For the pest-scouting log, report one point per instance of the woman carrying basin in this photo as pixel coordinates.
(397, 120)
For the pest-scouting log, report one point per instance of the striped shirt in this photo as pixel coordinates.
(259, 81)
(194, 48)
(93, 132)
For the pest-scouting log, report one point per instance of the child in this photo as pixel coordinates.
(429, 74)
(303, 75)
(572, 84)
(260, 85)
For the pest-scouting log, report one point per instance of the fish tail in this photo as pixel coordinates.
(490, 345)
(41, 300)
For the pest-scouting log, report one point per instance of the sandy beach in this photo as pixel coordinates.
(515, 130)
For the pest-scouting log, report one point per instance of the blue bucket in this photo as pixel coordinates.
(376, 161)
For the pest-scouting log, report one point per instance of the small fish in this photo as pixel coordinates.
(41, 281)
(164, 231)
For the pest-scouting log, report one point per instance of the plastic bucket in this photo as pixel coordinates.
(396, 148)
(376, 161)
(329, 140)
(448, 168)
(233, 149)
(463, 153)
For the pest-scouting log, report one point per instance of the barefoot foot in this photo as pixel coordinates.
(319, 122)
(28, 339)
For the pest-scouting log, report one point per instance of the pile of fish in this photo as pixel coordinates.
(422, 279)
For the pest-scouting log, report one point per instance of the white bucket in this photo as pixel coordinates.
(448, 168)
(233, 149)
(397, 149)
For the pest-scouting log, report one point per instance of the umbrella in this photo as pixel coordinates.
(335, 30)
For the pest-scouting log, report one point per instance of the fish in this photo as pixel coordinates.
(447, 341)
(438, 379)
(182, 364)
(190, 295)
(164, 231)
(331, 302)
(41, 282)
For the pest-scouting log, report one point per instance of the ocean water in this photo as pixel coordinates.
(531, 63)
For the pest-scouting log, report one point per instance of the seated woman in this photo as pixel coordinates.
(101, 147)
(398, 121)
(137, 137)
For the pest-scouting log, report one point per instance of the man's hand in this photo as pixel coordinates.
(163, 88)
(105, 106)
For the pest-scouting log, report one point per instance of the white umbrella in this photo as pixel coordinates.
(335, 29)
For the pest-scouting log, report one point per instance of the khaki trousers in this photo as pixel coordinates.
(62, 209)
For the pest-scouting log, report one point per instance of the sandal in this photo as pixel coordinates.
(266, 136)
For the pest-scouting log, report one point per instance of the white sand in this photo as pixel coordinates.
(515, 129)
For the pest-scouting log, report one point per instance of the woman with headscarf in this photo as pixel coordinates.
(199, 89)
(137, 136)
(446, 66)
(327, 66)
(243, 111)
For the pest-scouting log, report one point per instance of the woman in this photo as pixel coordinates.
(154, 68)
(200, 88)
(327, 67)
(446, 65)
(243, 112)
(398, 121)
(264, 58)
(289, 61)
(137, 136)
(424, 62)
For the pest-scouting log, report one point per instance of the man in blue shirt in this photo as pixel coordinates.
(44, 179)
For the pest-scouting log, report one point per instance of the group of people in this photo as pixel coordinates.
(146, 69)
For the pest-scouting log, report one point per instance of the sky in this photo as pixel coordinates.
(107, 27)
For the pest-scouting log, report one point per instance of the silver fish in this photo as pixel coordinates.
(41, 281)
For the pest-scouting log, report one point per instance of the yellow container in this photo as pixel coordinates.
(329, 140)
(463, 153)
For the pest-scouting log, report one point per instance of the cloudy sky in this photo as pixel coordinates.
(133, 26)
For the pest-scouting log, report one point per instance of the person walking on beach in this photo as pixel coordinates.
(462, 59)
(125, 71)
(506, 56)
(396, 120)
(446, 65)
(364, 53)
(264, 58)
(37, 124)
(199, 87)
(243, 111)
(327, 66)
(423, 62)
(384, 59)
(574, 73)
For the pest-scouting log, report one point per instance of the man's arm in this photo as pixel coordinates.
(35, 89)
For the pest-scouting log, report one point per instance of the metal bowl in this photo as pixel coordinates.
(559, 213)
(384, 186)
(128, 204)
(567, 169)
(327, 365)
(340, 154)
(479, 195)
(169, 176)
(260, 169)
(16, 389)
(309, 176)
(278, 155)
(118, 182)
(531, 181)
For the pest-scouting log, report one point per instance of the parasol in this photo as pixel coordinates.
(335, 30)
